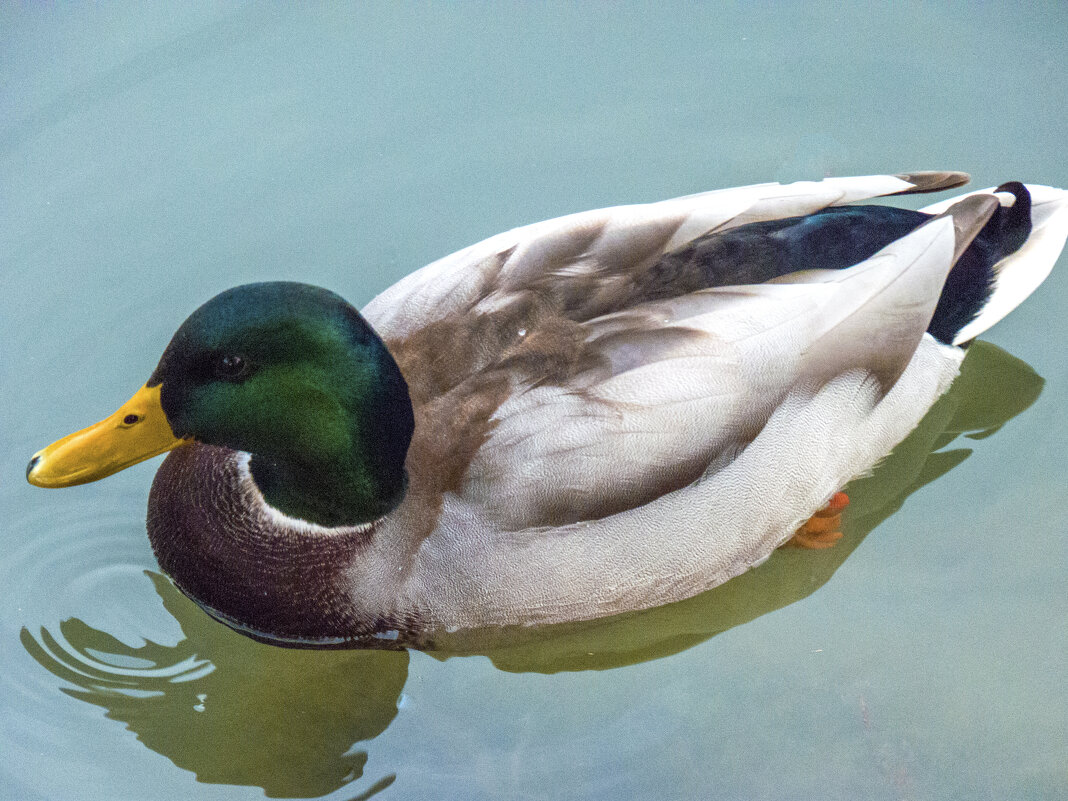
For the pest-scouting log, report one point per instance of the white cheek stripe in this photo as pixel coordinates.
(275, 519)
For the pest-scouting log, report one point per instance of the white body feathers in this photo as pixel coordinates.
(723, 420)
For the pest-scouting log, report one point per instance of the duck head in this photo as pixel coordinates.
(287, 372)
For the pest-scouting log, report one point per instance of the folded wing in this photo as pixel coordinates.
(669, 391)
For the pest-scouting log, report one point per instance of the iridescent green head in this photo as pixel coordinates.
(292, 374)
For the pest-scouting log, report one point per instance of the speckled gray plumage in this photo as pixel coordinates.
(581, 449)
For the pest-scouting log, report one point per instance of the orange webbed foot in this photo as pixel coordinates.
(822, 530)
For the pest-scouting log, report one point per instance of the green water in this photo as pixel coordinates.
(153, 155)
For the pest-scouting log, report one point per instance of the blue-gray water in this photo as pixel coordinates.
(154, 154)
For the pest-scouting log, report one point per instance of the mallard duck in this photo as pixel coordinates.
(599, 413)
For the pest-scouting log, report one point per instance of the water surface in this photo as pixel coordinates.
(153, 155)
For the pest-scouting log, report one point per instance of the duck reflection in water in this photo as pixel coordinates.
(199, 702)
(229, 709)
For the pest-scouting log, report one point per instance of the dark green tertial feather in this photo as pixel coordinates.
(838, 237)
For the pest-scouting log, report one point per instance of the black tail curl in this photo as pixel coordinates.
(972, 280)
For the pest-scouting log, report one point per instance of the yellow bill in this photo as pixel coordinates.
(137, 431)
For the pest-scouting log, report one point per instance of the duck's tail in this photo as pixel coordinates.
(1006, 262)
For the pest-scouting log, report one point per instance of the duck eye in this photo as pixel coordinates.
(230, 367)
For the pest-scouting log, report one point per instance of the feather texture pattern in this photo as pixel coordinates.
(625, 407)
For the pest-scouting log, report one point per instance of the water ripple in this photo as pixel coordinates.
(88, 562)
(110, 632)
